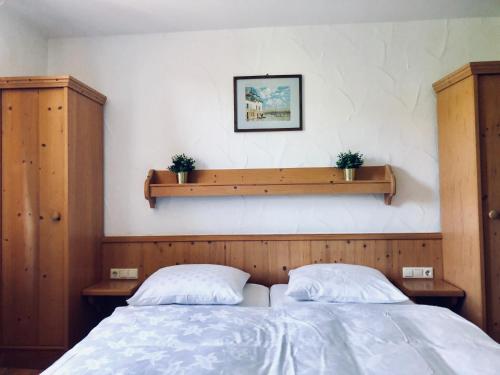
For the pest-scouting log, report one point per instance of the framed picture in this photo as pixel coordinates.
(267, 103)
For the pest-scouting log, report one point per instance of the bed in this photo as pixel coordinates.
(288, 337)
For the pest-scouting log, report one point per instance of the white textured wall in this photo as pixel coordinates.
(366, 87)
(23, 50)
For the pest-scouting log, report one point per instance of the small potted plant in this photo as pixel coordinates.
(182, 165)
(349, 162)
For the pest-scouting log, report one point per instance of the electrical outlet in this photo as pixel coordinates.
(407, 272)
(428, 272)
(418, 272)
(123, 273)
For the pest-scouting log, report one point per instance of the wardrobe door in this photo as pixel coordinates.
(33, 218)
(489, 119)
(20, 217)
(53, 217)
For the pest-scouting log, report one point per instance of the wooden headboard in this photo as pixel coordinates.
(268, 258)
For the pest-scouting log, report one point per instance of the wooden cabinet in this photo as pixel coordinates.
(469, 158)
(52, 214)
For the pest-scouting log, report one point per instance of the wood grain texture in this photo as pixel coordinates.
(467, 70)
(113, 288)
(36, 358)
(489, 120)
(275, 237)
(461, 216)
(428, 288)
(85, 206)
(20, 212)
(43, 82)
(52, 216)
(268, 259)
(51, 196)
(272, 181)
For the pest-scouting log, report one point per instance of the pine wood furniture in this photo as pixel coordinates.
(52, 214)
(283, 181)
(268, 258)
(112, 288)
(468, 103)
(428, 288)
(432, 292)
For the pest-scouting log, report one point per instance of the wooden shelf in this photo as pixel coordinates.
(282, 181)
(428, 288)
(112, 288)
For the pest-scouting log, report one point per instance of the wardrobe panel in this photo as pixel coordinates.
(20, 217)
(85, 150)
(489, 119)
(461, 221)
(53, 220)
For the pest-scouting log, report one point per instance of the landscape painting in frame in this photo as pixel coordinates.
(267, 103)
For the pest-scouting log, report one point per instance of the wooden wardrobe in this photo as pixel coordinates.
(52, 214)
(468, 103)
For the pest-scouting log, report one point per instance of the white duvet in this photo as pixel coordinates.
(294, 339)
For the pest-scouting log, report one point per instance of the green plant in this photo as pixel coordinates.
(182, 163)
(347, 160)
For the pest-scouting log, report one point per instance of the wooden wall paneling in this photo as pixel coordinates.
(51, 175)
(364, 253)
(279, 261)
(256, 261)
(217, 251)
(275, 237)
(197, 253)
(251, 257)
(269, 260)
(383, 256)
(417, 253)
(125, 255)
(152, 253)
(461, 218)
(300, 254)
(489, 120)
(235, 254)
(20, 213)
(427, 250)
(319, 251)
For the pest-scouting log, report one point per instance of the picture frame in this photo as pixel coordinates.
(268, 103)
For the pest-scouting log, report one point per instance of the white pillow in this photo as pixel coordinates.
(342, 283)
(192, 284)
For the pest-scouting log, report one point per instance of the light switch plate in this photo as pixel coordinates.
(124, 273)
(418, 273)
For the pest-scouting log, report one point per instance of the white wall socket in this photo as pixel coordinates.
(123, 273)
(418, 272)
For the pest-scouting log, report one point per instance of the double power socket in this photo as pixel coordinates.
(123, 273)
(418, 272)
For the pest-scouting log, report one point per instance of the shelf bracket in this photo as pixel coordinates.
(390, 176)
(147, 192)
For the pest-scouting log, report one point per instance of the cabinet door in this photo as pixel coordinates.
(489, 105)
(53, 217)
(20, 211)
(32, 192)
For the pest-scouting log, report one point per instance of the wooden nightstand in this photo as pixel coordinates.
(432, 292)
(107, 295)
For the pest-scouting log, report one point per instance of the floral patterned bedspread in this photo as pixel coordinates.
(319, 339)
